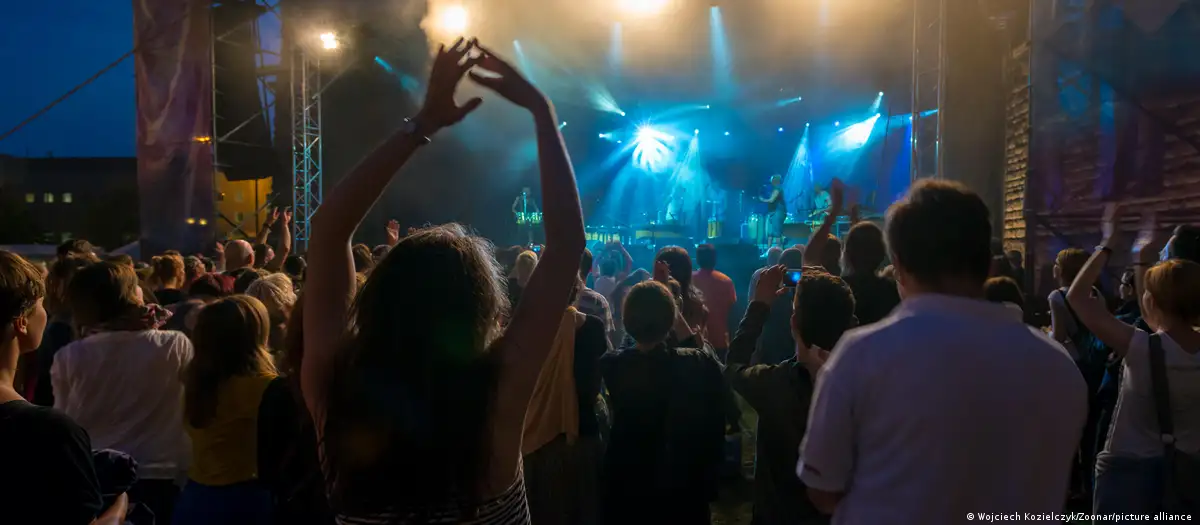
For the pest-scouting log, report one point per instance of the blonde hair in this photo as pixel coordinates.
(276, 293)
(1175, 287)
(523, 269)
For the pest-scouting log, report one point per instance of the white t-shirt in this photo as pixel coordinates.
(946, 407)
(1134, 431)
(605, 286)
(126, 390)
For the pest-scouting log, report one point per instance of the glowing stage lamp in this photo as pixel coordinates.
(454, 19)
(329, 41)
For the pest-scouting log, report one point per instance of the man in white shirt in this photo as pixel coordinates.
(951, 405)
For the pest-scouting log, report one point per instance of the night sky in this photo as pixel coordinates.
(46, 48)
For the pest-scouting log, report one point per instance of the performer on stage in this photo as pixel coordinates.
(821, 204)
(677, 206)
(523, 207)
(776, 212)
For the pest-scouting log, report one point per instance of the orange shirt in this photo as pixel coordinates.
(719, 297)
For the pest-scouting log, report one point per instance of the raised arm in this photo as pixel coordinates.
(816, 243)
(527, 342)
(743, 377)
(267, 225)
(283, 247)
(1092, 311)
(331, 284)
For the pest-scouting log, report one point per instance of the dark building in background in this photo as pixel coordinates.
(48, 200)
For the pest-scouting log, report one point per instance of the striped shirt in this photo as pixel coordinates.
(509, 508)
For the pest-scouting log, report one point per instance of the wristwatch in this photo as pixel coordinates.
(409, 127)
(1105, 249)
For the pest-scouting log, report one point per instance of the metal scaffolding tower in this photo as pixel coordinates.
(306, 144)
(928, 87)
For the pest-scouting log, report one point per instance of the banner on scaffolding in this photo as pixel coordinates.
(174, 123)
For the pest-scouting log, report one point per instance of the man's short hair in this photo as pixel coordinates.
(1185, 243)
(1004, 289)
(792, 258)
(706, 256)
(102, 292)
(1069, 262)
(940, 229)
(865, 248)
(585, 263)
(649, 312)
(21, 286)
(824, 308)
(74, 247)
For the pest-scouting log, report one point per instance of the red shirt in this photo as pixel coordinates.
(719, 297)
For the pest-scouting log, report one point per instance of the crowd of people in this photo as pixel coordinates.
(895, 372)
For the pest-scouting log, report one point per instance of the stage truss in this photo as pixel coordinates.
(307, 172)
(928, 87)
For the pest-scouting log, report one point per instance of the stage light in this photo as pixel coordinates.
(806, 124)
(454, 19)
(563, 125)
(622, 113)
(191, 220)
(707, 106)
(837, 123)
(726, 133)
(642, 7)
(329, 41)
(696, 132)
(781, 130)
(204, 222)
(652, 149)
(606, 135)
(881, 93)
(855, 136)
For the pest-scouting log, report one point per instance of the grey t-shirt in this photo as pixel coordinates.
(1134, 431)
(946, 407)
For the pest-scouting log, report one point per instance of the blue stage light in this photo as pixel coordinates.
(696, 132)
(726, 133)
(855, 136)
(837, 123)
(781, 130)
(806, 124)
(707, 106)
(652, 149)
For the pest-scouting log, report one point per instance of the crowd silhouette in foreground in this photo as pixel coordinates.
(895, 373)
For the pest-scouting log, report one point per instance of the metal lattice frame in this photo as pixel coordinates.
(928, 87)
(306, 145)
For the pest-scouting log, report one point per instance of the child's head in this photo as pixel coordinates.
(21, 310)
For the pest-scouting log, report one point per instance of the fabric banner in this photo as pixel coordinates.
(1149, 15)
(174, 124)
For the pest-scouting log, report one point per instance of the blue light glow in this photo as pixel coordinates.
(721, 54)
(788, 101)
(854, 136)
(652, 149)
(602, 100)
(696, 132)
(726, 133)
(781, 130)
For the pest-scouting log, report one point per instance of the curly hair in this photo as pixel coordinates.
(823, 308)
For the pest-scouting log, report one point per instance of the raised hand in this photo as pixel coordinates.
(768, 286)
(1146, 246)
(855, 214)
(440, 110)
(287, 215)
(837, 192)
(219, 248)
(1108, 223)
(507, 82)
(393, 232)
(662, 272)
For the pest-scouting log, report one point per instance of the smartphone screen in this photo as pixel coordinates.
(792, 278)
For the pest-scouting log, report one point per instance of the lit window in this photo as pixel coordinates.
(67, 198)
(238, 197)
(240, 217)
(48, 198)
(30, 198)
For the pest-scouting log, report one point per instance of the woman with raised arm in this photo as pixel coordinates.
(1130, 470)
(417, 398)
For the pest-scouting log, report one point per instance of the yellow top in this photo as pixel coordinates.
(226, 450)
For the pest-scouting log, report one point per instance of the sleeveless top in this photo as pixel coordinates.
(509, 508)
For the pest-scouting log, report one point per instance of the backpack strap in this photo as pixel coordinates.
(1160, 387)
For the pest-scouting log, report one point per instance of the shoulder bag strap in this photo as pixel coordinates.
(1159, 385)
